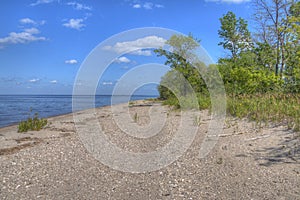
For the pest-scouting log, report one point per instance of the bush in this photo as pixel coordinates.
(32, 124)
(264, 108)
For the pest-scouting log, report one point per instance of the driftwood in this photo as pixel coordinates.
(225, 135)
(257, 138)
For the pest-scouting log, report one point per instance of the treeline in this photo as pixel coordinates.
(267, 60)
(261, 72)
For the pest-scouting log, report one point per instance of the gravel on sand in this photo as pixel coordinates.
(247, 162)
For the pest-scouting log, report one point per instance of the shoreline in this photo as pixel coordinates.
(10, 133)
(11, 117)
(246, 162)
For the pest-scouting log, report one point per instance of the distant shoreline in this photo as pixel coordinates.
(16, 108)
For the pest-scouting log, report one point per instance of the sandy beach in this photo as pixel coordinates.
(247, 162)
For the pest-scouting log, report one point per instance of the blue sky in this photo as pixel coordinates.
(44, 42)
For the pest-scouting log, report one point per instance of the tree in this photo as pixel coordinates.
(265, 56)
(179, 60)
(271, 18)
(248, 69)
(292, 72)
(235, 34)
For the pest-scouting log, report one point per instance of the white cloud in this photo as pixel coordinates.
(38, 2)
(27, 36)
(72, 61)
(27, 21)
(148, 5)
(228, 1)
(137, 6)
(141, 52)
(107, 83)
(53, 81)
(122, 59)
(136, 46)
(31, 22)
(74, 24)
(32, 30)
(79, 6)
(34, 80)
(159, 6)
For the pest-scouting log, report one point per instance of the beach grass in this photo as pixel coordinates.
(32, 124)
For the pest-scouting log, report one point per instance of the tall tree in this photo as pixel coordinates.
(235, 34)
(178, 60)
(271, 16)
(293, 48)
(246, 71)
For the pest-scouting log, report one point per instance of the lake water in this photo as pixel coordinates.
(15, 108)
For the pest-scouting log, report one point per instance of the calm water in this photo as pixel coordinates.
(15, 108)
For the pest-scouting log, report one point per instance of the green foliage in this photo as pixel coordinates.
(249, 81)
(181, 85)
(32, 124)
(249, 70)
(292, 32)
(197, 121)
(265, 56)
(271, 18)
(188, 102)
(182, 75)
(203, 101)
(183, 46)
(172, 101)
(185, 103)
(264, 108)
(254, 88)
(131, 103)
(235, 34)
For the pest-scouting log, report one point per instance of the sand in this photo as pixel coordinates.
(248, 162)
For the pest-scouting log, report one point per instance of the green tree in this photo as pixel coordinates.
(183, 48)
(265, 56)
(235, 34)
(271, 21)
(248, 69)
(292, 71)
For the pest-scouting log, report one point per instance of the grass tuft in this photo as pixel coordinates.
(32, 124)
(265, 108)
(262, 108)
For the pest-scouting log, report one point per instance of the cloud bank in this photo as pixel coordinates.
(26, 36)
(75, 24)
(38, 2)
(136, 46)
(72, 61)
(79, 6)
(34, 80)
(122, 59)
(29, 21)
(147, 5)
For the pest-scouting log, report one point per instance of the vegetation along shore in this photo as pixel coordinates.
(257, 155)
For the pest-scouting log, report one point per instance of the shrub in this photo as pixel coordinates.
(264, 108)
(32, 124)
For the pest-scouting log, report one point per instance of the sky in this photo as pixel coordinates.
(44, 43)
